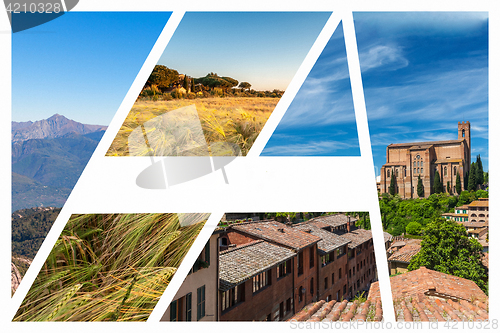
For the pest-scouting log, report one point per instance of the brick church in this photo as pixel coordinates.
(409, 160)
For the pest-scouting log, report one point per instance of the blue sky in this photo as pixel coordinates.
(422, 73)
(81, 64)
(321, 120)
(262, 48)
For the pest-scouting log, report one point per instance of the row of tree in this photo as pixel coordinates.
(473, 180)
(166, 79)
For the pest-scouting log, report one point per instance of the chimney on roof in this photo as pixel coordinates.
(281, 230)
(349, 224)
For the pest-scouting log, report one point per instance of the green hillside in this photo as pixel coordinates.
(29, 228)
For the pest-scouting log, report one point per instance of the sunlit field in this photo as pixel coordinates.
(236, 120)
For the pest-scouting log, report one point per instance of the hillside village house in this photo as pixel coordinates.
(475, 218)
(408, 161)
(400, 254)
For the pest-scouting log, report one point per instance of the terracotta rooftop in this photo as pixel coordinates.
(474, 224)
(369, 310)
(329, 241)
(405, 253)
(479, 203)
(357, 237)
(426, 143)
(243, 262)
(416, 147)
(279, 233)
(427, 295)
(455, 214)
(387, 237)
(333, 220)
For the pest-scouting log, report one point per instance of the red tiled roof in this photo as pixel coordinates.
(329, 241)
(429, 282)
(426, 143)
(405, 253)
(243, 262)
(340, 311)
(333, 220)
(278, 233)
(357, 237)
(427, 295)
(479, 203)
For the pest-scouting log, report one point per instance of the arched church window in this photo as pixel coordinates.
(414, 164)
(463, 133)
(414, 170)
(445, 172)
(397, 173)
(454, 171)
(388, 173)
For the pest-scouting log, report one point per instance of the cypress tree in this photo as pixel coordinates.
(472, 182)
(466, 180)
(438, 186)
(392, 187)
(192, 84)
(458, 184)
(479, 171)
(185, 84)
(420, 187)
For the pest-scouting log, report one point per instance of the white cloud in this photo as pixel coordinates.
(310, 148)
(390, 57)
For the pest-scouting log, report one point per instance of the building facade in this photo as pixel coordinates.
(196, 299)
(409, 161)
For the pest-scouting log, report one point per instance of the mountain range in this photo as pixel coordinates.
(52, 127)
(48, 157)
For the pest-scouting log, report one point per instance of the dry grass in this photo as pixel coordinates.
(109, 267)
(236, 120)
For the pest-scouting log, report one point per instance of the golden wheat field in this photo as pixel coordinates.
(236, 120)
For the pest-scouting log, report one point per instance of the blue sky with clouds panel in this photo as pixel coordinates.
(320, 121)
(423, 72)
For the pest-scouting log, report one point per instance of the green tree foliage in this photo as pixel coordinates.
(397, 213)
(472, 183)
(392, 186)
(466, 181)
(244, 85)
(446, 248)
(29, 228)
(479, 171)
(486, 177)
(162, 77)
(185, 84)
(458, 184)
(438, 185)
(212, 80)
(192, 84)
(414, 228)
(420, 187)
